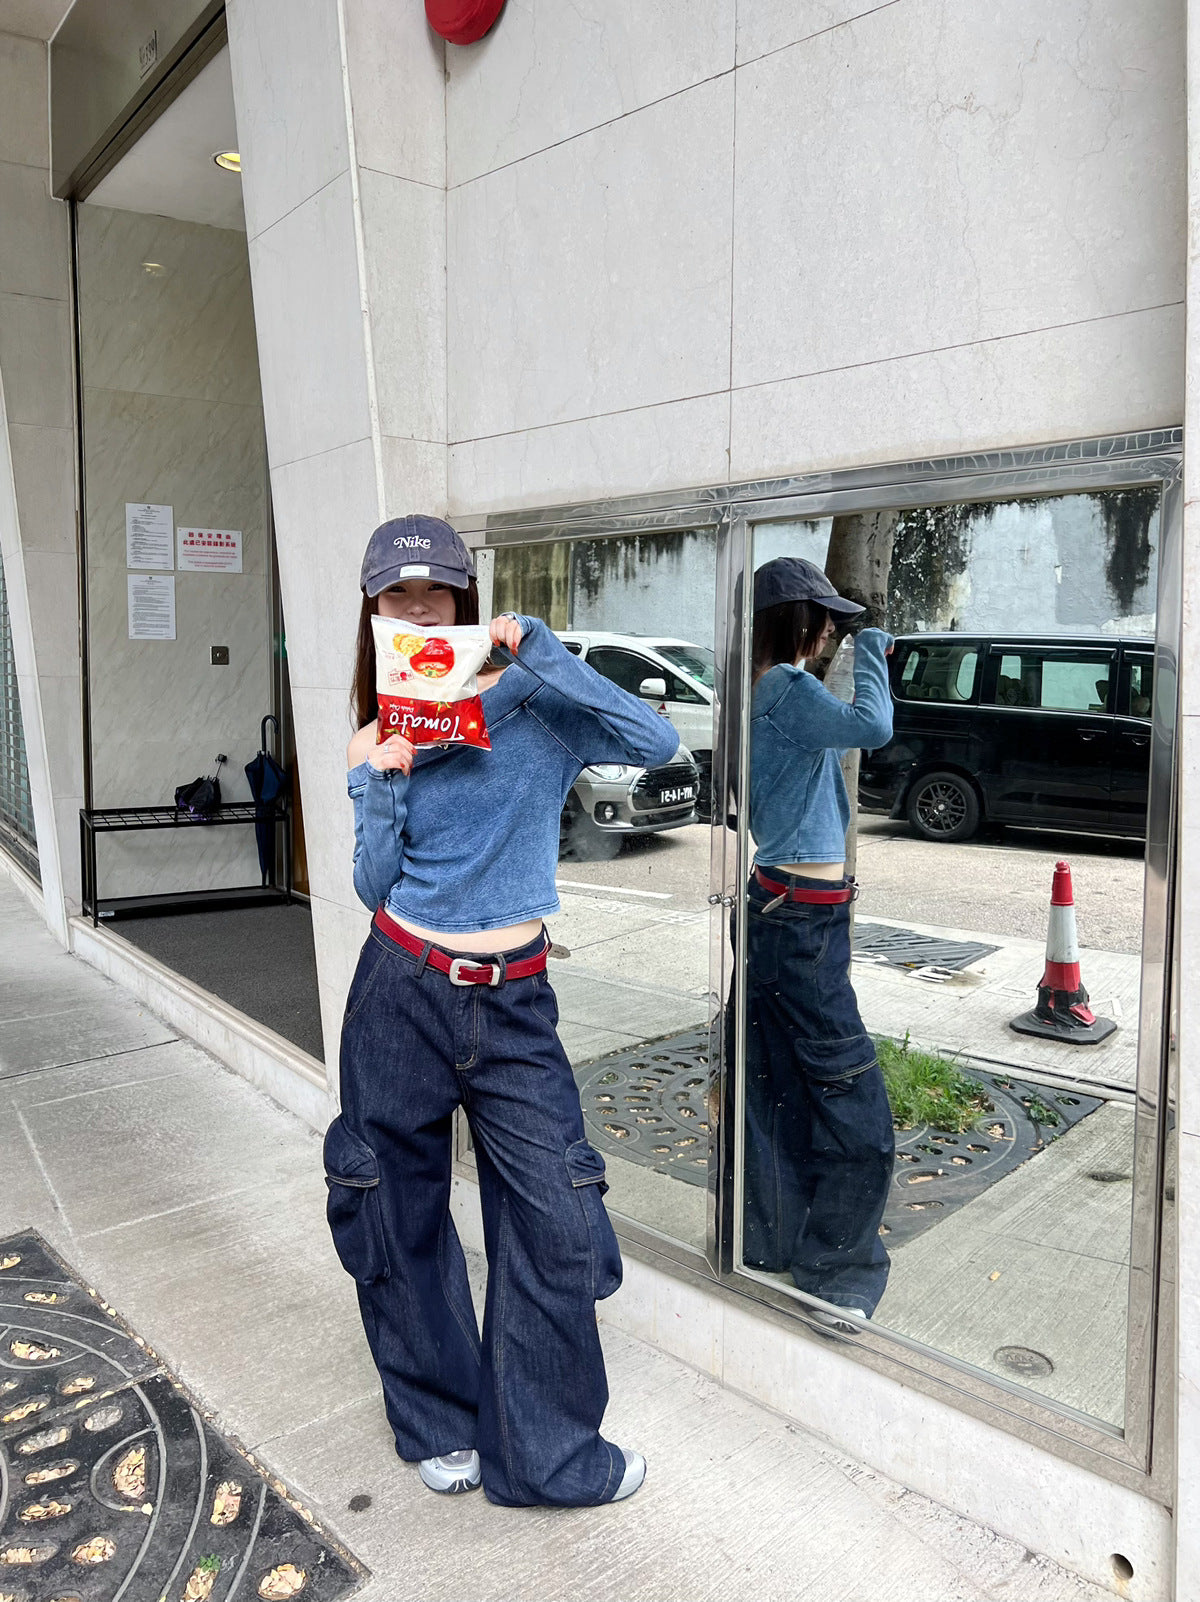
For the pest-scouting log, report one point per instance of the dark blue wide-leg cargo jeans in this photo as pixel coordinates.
(530, 1398)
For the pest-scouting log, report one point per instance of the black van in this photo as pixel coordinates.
(1045, 731)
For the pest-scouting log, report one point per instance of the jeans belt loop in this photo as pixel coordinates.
(424, 957)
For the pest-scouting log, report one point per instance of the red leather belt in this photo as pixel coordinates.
(793, 892)
(462, 970)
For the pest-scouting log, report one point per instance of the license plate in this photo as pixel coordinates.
(684, 792)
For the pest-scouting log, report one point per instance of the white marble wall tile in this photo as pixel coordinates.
(52, 584)
(338, 935)
(414, 477)
(397, 90)
(35, 360)
(61, 698)
(1066, 383)
(404, 247)
(203, 459)
(894, 198)
(43, 461)
(765, 25)
(625, 453)
(595, 277)
(323, 727)
(325, 509)
(34, 257)
(308, 308)
(185, 330)
(24, 107)
(1187, 1476)
(153, 863)
(550, 71)
(286, 61)
(63, 868)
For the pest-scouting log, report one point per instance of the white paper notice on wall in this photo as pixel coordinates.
(148, 535)
(210, 550)
(151, 606)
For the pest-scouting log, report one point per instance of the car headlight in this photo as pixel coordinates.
(608, 770)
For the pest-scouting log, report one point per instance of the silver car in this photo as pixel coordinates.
(612, 801)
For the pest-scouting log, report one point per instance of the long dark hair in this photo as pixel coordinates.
(364, 705)
(784, 633)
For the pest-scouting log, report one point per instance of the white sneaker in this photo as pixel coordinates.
(635, 1473)
(452, 1473)
(846, 1321)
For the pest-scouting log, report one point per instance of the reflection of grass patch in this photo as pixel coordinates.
(924, 1089)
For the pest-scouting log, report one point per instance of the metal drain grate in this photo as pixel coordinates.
(936, 1172)
(649, 1104)
(116, 1483)
(905, 948)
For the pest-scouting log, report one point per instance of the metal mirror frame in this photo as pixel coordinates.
(1140, 1454)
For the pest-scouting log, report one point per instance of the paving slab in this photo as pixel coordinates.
(1038, 1261)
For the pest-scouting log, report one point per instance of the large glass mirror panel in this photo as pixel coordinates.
(930, 1132)
(632, 940)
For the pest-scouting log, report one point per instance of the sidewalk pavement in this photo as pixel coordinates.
(195, 1206)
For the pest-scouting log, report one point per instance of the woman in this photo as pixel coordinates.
(455, 853)
(819, 1138)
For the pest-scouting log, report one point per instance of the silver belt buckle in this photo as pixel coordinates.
(457, 964)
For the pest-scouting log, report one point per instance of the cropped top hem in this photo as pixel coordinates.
(782, 861)
(394, 909)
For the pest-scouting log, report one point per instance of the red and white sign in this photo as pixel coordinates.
(210, 550)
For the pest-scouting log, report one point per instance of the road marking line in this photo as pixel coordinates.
(613, 890)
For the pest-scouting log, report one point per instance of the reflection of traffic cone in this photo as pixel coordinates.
(1062, 1011)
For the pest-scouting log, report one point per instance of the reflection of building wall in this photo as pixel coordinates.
(534, 580)
(172, 415)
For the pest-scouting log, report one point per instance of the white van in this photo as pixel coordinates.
(675, 675)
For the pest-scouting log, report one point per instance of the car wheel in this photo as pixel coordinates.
(943, 807)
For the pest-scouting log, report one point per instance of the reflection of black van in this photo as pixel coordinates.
(1049, 732)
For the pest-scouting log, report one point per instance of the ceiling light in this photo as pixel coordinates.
(229, 159)
(154, 268)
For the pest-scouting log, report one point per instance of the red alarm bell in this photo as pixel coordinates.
(462, 22)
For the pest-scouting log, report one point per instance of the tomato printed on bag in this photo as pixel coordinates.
(425, 681)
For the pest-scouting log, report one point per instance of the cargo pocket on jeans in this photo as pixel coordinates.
(355, 1220)
(585, 1168)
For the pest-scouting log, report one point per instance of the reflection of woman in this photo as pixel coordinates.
(455, 853)
(819, 1139)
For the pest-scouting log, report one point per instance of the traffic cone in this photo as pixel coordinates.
(1062, 1011)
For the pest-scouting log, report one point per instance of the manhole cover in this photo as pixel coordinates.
(649, 1104)
(116, 1485)
(905, 948)
(1023, 1360)
(937, 1172)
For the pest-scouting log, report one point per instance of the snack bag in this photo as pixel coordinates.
(425, 682)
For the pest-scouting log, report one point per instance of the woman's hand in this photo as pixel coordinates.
(396, 753)
(506, 631)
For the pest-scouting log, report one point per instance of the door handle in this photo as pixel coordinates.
(1089, 734)
(1139, 739)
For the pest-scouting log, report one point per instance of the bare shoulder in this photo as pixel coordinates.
(362, 744)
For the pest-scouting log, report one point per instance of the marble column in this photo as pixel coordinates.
(341, 126)
(37, 476)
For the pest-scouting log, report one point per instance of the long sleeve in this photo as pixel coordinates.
(805, 712)
(598, 722)
(380, 809)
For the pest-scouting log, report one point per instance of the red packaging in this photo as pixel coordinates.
(425, 682)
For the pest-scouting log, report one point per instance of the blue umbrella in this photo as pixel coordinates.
(269, 782)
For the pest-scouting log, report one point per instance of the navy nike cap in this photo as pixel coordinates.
(415, 547)
(791, 578)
